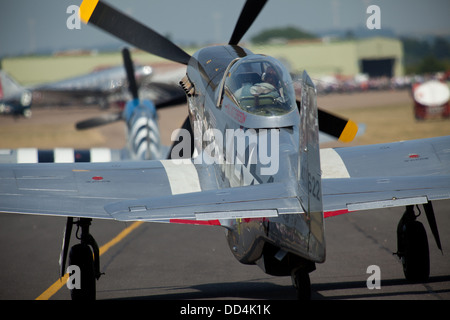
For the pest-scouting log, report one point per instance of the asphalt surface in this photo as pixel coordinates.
(172, 262)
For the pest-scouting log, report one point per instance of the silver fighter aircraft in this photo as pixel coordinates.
(105, 87)
(102, 87)
(247, 159)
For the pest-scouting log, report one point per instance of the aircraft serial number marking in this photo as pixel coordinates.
(314, 186)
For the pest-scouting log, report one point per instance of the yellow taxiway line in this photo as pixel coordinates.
(47, 294)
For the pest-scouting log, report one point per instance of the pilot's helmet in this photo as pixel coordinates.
(270, 76)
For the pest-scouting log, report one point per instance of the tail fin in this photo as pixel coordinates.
(143, 130)
(9, 87)
(310, 183)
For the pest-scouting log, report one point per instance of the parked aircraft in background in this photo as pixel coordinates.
(106, 87)
(14, 98)
(103, 87)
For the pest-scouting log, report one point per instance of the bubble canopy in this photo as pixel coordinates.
(260, 85)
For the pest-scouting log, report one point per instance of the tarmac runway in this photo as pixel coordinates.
(172, 262)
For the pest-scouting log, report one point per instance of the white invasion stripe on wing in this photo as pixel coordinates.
(100, 155)
(183, 177)
(332, 165)
(27, 155)
(64, 155)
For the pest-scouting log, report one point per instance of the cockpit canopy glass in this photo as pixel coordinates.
(260, 85)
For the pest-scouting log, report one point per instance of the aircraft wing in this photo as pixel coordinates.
(411, 172)
(341, 196)
(67, 96)
(162, 191)
(209, 207)
(424, 157)
(385, 175)
(77, 189)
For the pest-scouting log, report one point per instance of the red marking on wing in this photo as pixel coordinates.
(198, 222)
(335, 213)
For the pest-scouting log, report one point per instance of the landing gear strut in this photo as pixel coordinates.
(81, 255)
(301, 281)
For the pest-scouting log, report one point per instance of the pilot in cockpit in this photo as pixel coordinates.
(267, 87)
(258, 85)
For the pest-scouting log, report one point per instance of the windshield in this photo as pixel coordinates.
(260, 85)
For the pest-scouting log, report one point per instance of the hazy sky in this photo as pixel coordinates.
(28, 26)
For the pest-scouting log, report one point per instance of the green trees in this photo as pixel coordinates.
(284, 33)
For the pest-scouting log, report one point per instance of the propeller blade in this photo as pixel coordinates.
(99, 121)
(249, 13)
(65, 246)
(123, 27)
(171, 102)
(129, 68)
(186, 125)
(343, 129)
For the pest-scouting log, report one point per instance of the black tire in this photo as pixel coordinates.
(81, 256)
(416, 257)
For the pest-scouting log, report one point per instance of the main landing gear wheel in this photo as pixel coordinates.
(84, 260)
(413, 248)
(81, 255)
(302, 283)
(415, 256)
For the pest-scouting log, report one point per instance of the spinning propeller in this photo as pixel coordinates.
(99, 121)
(124, 27)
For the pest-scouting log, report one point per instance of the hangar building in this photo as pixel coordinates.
(377, 56)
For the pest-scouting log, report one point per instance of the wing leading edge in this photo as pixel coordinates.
(160, 191)
(166, 191)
